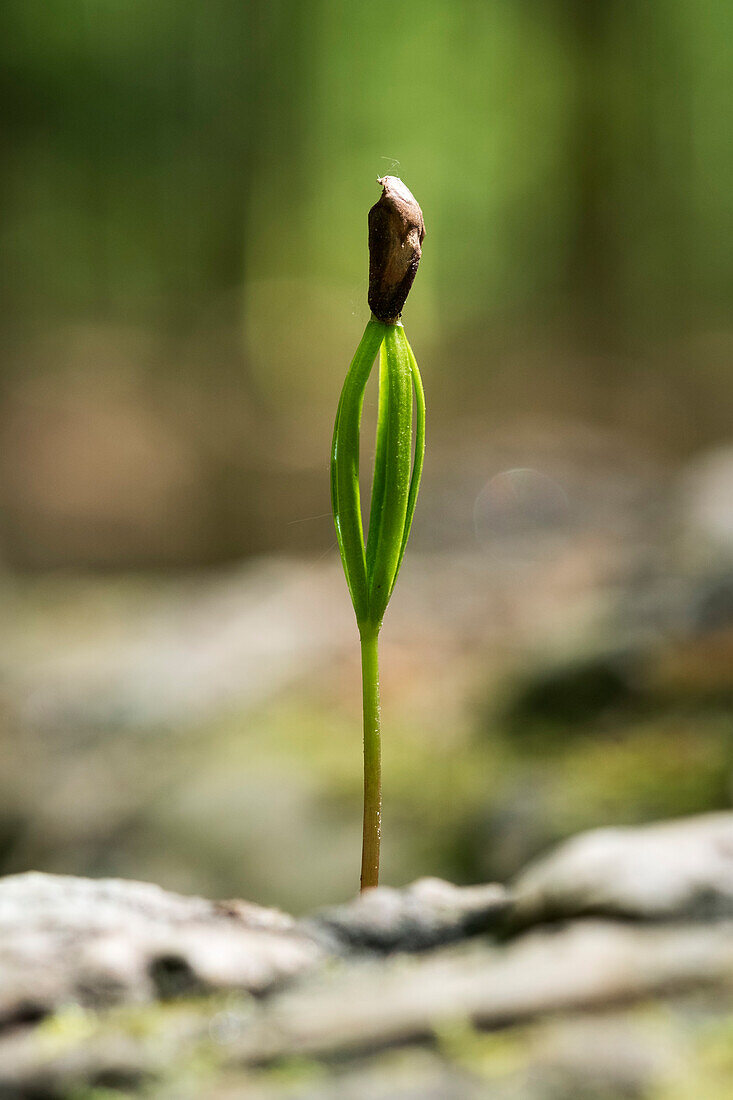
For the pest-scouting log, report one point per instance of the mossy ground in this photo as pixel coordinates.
(680, 1049)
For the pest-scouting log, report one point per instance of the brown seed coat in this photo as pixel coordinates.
(396, 233)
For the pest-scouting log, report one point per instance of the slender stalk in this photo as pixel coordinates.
(372, 758)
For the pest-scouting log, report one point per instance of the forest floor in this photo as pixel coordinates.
(605, 970)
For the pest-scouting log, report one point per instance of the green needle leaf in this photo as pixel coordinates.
(379, 479)
(345, 496)
(394, 470)
(371, 570)
(419, 451)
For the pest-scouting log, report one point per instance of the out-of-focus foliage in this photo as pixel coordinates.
(185, 188)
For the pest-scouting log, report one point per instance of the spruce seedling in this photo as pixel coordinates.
(396, 232)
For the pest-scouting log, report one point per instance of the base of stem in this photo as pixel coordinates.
(372, 832)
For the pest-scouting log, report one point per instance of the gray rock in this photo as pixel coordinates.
(380, 1018)
(587, 965)
(706, 499)
(675, 870)
(427, 913)
(347, 1013)
(184, 652)
(599, 1057)
(98, 942)
(710, 603)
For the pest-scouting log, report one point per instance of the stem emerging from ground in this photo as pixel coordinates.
(372, 759)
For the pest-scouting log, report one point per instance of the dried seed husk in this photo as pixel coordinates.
(396, 233)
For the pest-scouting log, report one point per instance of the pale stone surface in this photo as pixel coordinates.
(585, 966)
(126, 986)
(97, 942)
(357, 1011)
(675, 870)
(426, 914)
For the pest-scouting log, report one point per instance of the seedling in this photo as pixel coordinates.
(396, 232)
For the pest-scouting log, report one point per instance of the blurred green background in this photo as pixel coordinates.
(184, 196)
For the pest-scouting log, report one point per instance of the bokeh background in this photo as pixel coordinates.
(184, 198)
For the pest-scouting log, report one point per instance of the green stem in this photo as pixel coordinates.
(372, 758)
